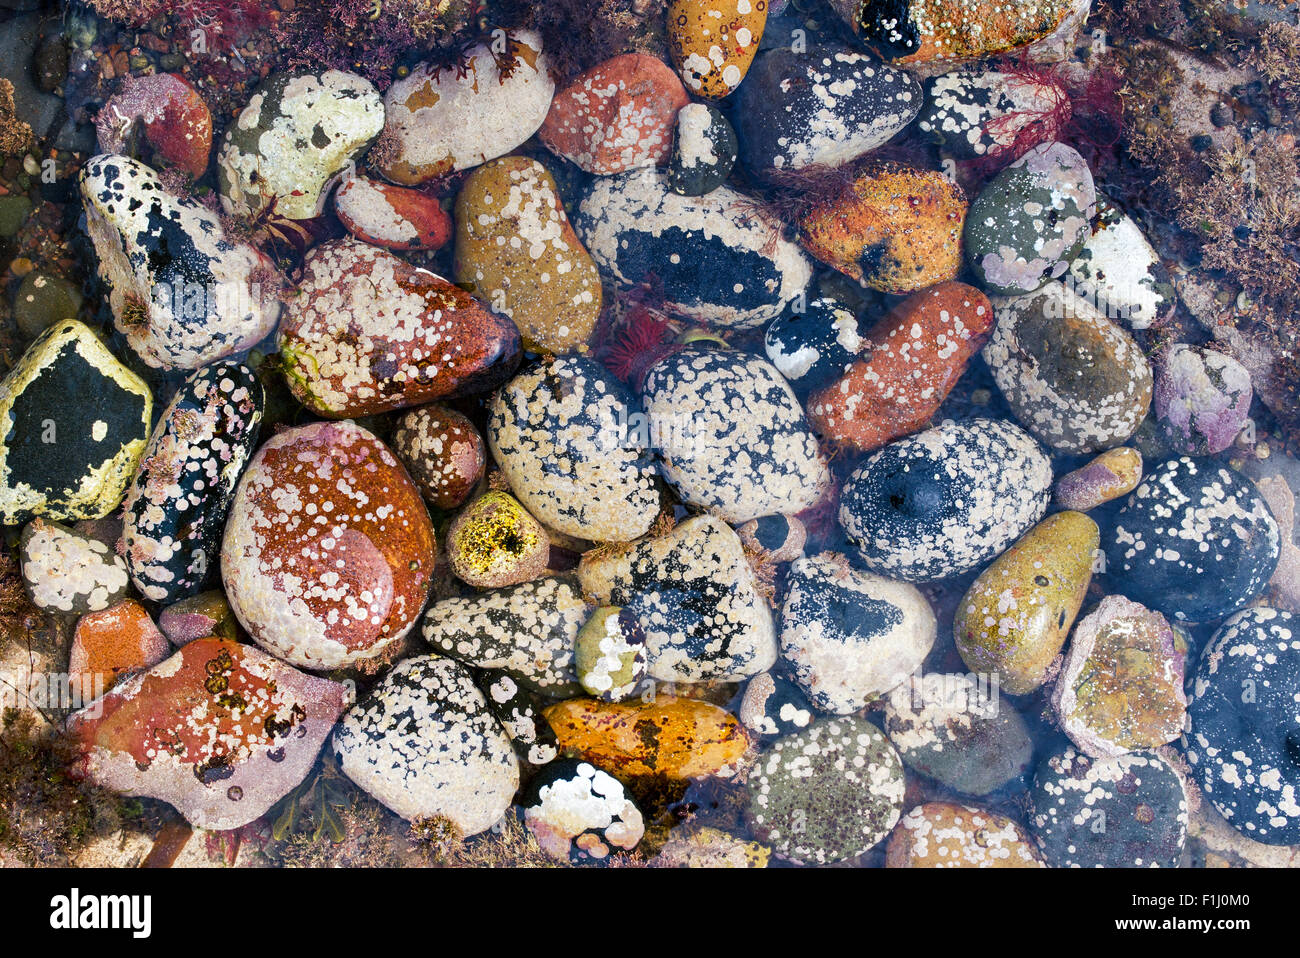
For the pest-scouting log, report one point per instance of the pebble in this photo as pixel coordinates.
(713, 42)
(438, 121)
(778, 538)
(956, 729)
(1241, 736)
(328, 551)
(893, 229)
(609, 654)
(516, 251)
(42, 300)
(494, 542)
(913, 358)
(182, 291)
(976, 113)
(393, 217)
(1072, 377)
(731, 435)
(61, 459)
(177, 502)
(704, 150)
(557, 432)
(773, 707)
(197, 617)
(580, 814)
(298, 132)
(1121, 687)
(1031, 220)
(1129, 811)
(1201, 399)
(945, 500)
(848, 636)
(368, 333)
(814, 343)
(720, 259)
(617, 116)
(826, 794)
(221, 731)
(819, 108)
(948, 835)
(519, 710)
(668, 738)
(69, 573)
(696, 597)
(706, 847)
(170, 113)
(1015, 617)
(1119, 272)
(527, 631)
(1195, 540)
(442, 451)
(425, 745)
(1114, 473)
(109, 645)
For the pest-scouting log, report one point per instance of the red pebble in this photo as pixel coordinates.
(111, 644)
(393, 217)
(177, 123)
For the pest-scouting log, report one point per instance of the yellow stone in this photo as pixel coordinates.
(713, 42)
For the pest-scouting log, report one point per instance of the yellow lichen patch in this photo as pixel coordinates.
(495, 542)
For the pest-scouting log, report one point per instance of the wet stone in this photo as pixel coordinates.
(713, 42)
(442, 451)
(1201, 399)
(1119, 272)
(580, 814)
(976, 113)
(948, 835)
(519, 710)
(42, 300)
(704, 150)
(1114, 473)
(778, 538)
(393, 217)
(69, 573)
(170, 113)
(494, 542)
(706, 847)
(773, 707)
(197, 617)
(815, 344)
(109, 645)
(609, 654)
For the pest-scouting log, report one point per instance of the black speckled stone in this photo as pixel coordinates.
(772, 707)
(703, 152)
(973, 112)
(520, 713)
(813, 346)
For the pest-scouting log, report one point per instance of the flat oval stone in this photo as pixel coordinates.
(64, 459)
(1195, 540)
(66, 572)
(1073, 378)
(178, 500)
(328, 551)
(720, 259)
(494, 542)
(183, 292)
(516, 251)
(298, 132)
(172, 115)
(1202, 399)
(943, 501)
(948, 835)
(814, 344)
(713, 42)
(580, 814)
(1119, 272)
(609, 654)
(1116, 472)
(704, 150)
(440, 120)
(368, 333)
(773, 707)
(393, 217)
(442, 451)
(519, 710)
(43, 299)
(731, 434)
(112, 644)
(975, 113)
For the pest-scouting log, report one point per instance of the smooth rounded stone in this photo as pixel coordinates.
(616, 116)
(442, 119)
(1119, 272)
(706, 847)
(393, 217)
(197, 617)
(1031, 220)
(221, 731)
(773, 707)
(732, 437)
(527, 631)
(813, 343)
(1015, 617)
(720, 259)
(893, 229)
(580, 814)
(1121, 687)
(66, 459)
(913, 357)
(609, 654)
(442, 451)
(976, 113)
(945, 500)
(109, 645)
(425, 745)
(668, 738)
(557, 431)
(519, 710)
(697, 599)
(297, 134)
(1195, 540)
(778, 538)
(1075, 380)
(171, 114)
(1129, 811)
(826, 794)
(494, 542)
(178, 500)
(368, 333)
(1243, 731)
(1114, 473)
(704, 150)
(42, 300)
(850, 636)
(956, 729)
(713, 42)
(66, 572)
(183, 292)
(819, 108)
(328, 552)
(1201, 399)
(948, 835)
(516, 251)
